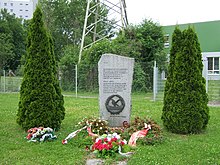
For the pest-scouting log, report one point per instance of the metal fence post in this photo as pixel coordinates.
(205, 71)
(155, 81)
(4, 80)
(76, 79)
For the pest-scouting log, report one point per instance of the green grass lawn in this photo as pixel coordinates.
(176, 149)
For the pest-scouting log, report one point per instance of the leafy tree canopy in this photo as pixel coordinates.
(12, 28)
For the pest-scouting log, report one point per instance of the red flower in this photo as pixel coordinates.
(105, 140)
(100, 147)
(30, 130)
(29, 136)
(122, 143)
(114, 139)
(110, 145)
(99, 141)
(64, 141)
(105, 146)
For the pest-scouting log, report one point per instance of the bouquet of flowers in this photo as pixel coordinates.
(40, 134)
(108, 145)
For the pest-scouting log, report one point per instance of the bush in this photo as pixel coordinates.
(41, 102)
(187, 111)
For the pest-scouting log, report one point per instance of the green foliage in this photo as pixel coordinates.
(88, 68)
(168, 95)
(139, 79)
(127, 44)
(65, 19)
(186, 95)
(6, 48)
(94, 53)
(41, 102)
(144, 43)
(67, 66)
(12, 38)
(151, 37)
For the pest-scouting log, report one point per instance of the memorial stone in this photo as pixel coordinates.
(115, 83)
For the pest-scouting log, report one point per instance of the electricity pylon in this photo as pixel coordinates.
(115, 9)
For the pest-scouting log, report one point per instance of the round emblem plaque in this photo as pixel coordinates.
(115, 104)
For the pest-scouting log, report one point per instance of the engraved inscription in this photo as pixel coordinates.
(114, 73)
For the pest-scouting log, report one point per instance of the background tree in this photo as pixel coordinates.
(188, 111)
(41, 102)
(129, 42)
(151, 36)
(65, 19)
(88, 68)
(14, 40)
(132, 42)
(6, 50)
(67, 68)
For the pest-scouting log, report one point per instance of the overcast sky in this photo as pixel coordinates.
(171, 12)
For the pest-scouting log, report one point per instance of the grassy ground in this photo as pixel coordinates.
(200, 149)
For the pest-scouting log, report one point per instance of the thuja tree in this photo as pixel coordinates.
(41, 102)
(168, 92)
(188, 111)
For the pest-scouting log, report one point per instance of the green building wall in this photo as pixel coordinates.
(208, 34)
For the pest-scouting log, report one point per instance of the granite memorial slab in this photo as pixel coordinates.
(115, 83)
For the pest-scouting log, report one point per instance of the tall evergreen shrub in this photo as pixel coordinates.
(168, 95)
(41, 102)
(187, 98)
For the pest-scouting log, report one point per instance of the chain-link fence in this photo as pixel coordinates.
(9, 82)
(83, 78)
(212, 84)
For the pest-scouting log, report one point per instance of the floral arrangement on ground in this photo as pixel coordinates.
(107, 142)
(41, 134)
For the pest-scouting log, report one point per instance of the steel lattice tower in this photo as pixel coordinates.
(116, 9)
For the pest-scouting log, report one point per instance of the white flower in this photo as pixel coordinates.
(125, 141)
(97, 139)
(114, 134)
(100, 128)
(117, 136)
(109, 139)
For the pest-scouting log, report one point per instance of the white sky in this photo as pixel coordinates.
(171, 12)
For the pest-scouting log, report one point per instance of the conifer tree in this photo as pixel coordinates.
(41, 102)
(168, 95)
(188, 111)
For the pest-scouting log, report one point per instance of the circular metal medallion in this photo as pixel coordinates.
(115, 104)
